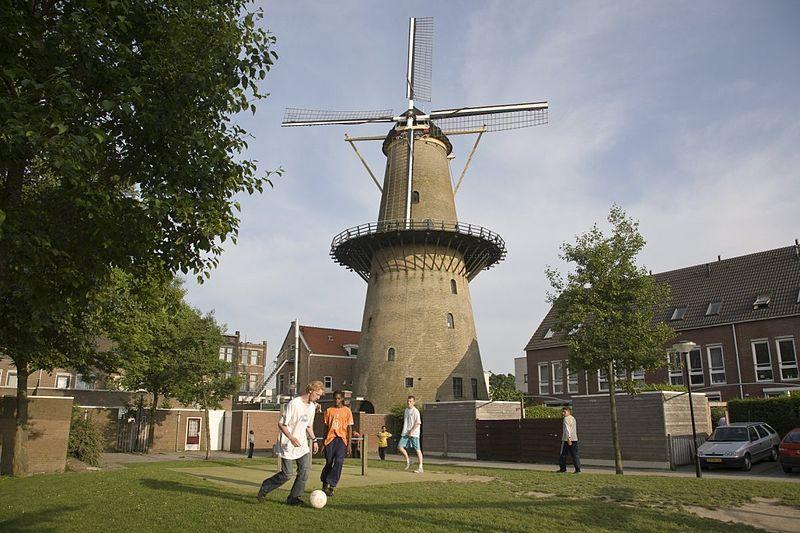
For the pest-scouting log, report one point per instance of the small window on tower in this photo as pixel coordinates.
(369, 323)
(450, 323)
(414, 197)
(453, 287)
(409, 383)
(713, 308)
(678, 313)
(390, 354)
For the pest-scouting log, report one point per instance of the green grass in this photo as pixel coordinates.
(156, 497)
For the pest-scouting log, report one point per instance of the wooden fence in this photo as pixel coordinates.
(537, 440)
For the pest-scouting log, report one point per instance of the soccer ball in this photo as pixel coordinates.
(318, 499)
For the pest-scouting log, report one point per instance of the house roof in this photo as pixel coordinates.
(736, 283)
(329, 341)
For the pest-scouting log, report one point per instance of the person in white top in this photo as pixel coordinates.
(569, 442)
(295, 427)
(409, 437)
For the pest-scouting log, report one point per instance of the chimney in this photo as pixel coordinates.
(719, 258)
(708, 269)
(797, 248)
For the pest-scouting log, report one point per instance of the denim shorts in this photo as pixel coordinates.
(408, 442)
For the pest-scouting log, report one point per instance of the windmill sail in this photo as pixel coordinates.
(315, 117)
(419, 75)
(491, 118)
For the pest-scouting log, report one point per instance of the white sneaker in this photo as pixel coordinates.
(408, 465)
(419, 471)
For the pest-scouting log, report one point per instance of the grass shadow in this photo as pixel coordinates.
(206, 492)
(38, 520)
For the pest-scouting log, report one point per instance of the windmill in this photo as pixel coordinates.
(418, 333)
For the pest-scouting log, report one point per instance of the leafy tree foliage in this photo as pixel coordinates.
(85, 438)
(116, 151)
(503, 387)
(606, 307)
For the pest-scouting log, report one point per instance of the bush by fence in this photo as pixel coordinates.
(781, 413)
(85, 438)
(542, 411)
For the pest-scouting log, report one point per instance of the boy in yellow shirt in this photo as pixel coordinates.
(383, 442)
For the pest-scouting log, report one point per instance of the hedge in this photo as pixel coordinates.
(542, 411)
(782, 413)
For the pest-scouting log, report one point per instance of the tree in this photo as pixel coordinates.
(607, 306)
(116, 151)
(503, 387)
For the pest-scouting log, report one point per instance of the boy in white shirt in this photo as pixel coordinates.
(295, 427)
(409, 437)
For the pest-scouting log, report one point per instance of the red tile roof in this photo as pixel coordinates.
(329, 341)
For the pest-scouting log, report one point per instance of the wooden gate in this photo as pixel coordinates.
(536, 439)
(133, 431)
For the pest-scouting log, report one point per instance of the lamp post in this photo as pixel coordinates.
(685, 347)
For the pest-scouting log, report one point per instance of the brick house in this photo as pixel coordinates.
(324, 354)
(743, 313)
(250, 359)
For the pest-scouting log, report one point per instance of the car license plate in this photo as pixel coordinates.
(714, 460)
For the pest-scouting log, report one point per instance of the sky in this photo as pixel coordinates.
(686, 114)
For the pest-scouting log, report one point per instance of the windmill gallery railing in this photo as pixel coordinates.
(479, 247)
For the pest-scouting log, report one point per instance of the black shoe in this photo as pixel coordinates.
(328, 491)
(295, 501)
(325, 487)
(261, 497)
(561, 471)
(577, 472)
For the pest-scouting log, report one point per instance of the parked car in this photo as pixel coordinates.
(739, 445)
(789, 451)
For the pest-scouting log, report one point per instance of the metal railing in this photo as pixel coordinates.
(400, 225)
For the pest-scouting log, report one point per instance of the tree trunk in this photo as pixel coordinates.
(151, 423)
(20, 461)
(612, 389)
(207, 433)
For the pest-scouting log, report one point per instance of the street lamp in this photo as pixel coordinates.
(685, 347)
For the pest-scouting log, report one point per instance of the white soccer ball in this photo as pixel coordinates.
(318, 499)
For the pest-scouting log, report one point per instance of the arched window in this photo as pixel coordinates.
(453, 287)
(414, 197)
(450, 323)
(390, 354)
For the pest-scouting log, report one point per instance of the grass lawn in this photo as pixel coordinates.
(202, 496)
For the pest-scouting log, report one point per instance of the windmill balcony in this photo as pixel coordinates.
(356, 247)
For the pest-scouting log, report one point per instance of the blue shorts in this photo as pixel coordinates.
(409, 443)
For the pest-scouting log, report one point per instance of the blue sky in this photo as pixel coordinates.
(687, 114)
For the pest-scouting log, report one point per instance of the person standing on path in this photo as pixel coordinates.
(251, 443)
(383, 442)
(339, 424)
(295, 427)
(409, 437)
(569, 442)
(354, 445)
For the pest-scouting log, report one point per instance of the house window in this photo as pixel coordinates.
(678, 313)
(328, 382)
(714, 396)
(572, 381)
(280, 384)
(450, 323)
(474, 383)
(524, 378)
(675, 369)
(602, 380)
(414, 197)
(11, 379)
(369, 323)
(330, 338)
(713, 308)
(390, 354)
(62, 381)
(696, 367)
(453, 287)
(222, 354)
(252, 382)
(458, 388)
(558, 377)
(82, 384)
(243, 384)
(245, 356)
(354, 351)
(762, 360)
(253, 357)
(409, 383)
(291, 378)
(549, 334)
(716, 364)
(638, 376)
(762, 302)
(544, 378)
(229, 354)
(787, 355)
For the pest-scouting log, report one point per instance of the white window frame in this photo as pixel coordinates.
(601, 380)
(9, 375)
(222, 353)
(762, 366)
(710, 309)
(328, 382)
(714, 396)
(549, 333)
(229, 354)
(572, 381)
(638, 375)
(280, 384)
(695, 372)
(789, 366)
(408, 380)
(81, 384)
(254, 357)
(558, 383)
(1, 377)
(252, 384)
(291, 378)
(679, 313)
(544, 386)
(524, 378)
(716, 371)
(460, 387)
(244, 356)
(675, 374)
(63, 375)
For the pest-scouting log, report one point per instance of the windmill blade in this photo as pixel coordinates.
(315, 117)
(419, 74)
(491, 118)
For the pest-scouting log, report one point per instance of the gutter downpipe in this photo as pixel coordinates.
(296, 355)
(738, 369)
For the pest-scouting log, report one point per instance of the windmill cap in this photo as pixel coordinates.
(433, 131)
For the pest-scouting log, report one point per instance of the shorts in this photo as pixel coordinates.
(408, 442)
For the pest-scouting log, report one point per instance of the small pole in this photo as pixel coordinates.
(364, 455)
(444, 438)
(691, 413)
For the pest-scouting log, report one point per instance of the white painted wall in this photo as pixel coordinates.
(520, 372)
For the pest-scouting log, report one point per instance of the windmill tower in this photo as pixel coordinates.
(417, 332)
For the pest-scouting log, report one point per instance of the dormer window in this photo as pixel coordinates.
(330, 338)
(713, 308)
(762, 302)
(678, 313)
(798, 297)
(549, 333)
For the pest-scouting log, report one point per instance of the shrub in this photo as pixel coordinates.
(85, 438)
(782, 413)
(542, 411)
(660, 387)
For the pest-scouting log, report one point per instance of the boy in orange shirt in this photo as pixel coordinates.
(338, 423)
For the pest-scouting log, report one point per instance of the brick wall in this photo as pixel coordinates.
(48, 432)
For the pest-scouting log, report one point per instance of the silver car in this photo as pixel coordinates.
(739, 445)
